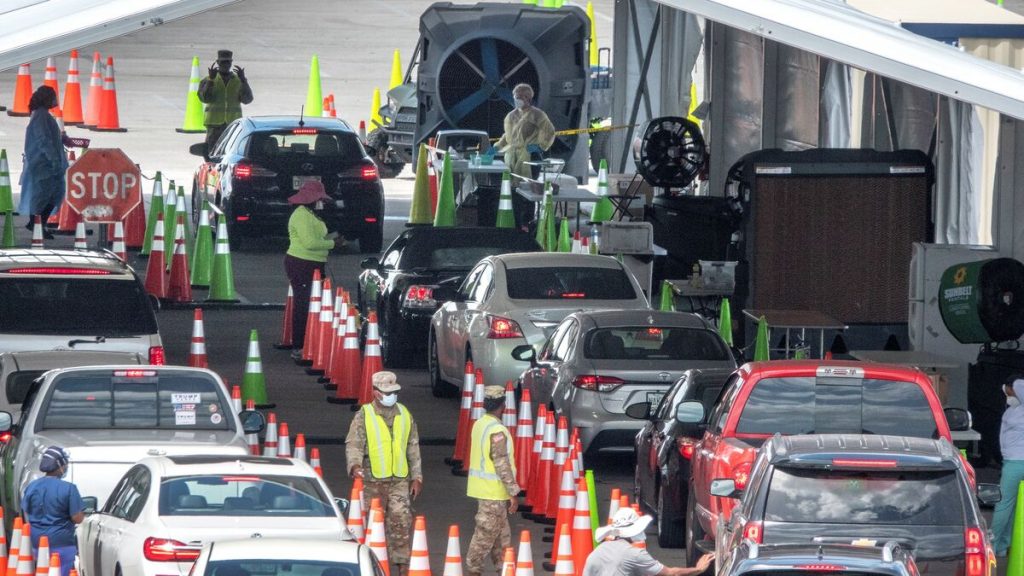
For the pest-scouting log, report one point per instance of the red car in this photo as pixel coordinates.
(788, 397)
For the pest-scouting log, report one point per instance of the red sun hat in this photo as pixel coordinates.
(310, 192)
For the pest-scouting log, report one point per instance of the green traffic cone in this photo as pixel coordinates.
(541, 235)
(222, 282)
(314, 100)
(725, 322)
(6, 194)
(595, 514)
(603, 209)
(202, 265)
(761, 343)
(170, 211)
(254, 383)
(564, 237)
(445, 215)
(194, 122)
(190, 241)
(1015, 562)
(550, 224)
(668, 301)
(156, 207)
(506, 218)
(8, 240)
(419, 211)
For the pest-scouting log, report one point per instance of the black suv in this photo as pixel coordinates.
(864, 490)
(752, 559)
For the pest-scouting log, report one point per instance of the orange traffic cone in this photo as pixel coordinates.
(371, 361)
(334, 111)
(108, 121)
(156, 276)
(73, 94)
(197, 351)
(270, 439)
(43, 556)
(453, 554)
(613, 504)
(419, 560)
(323, 328)
(25, 553)
(524, 438)
(561, 455)
(12, 556)
(236, 396)
(312, 317)
(524, 563)
(566, 506)
(508, 564)
(22, 93)
(355, 512)
(462, 431)
(508, 415)
(582, 532)
(284, 441)
(476, 412)
(314, 461)
(80, 242)
(54, 565)
(179, 288)
(299, 450)
(50, 79)
(67, 218)
(348, 374)
(564, 563)
(325, 110)
(135, 228)
(286, 322)
(95, 101)
(535, 452)
(378, 540)
(362, 130)
(333, 353)
(3, 546)
(118, 248)
(253, 440)
(37, 233)
(547, 460)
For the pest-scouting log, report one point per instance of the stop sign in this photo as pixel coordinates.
(104, 185)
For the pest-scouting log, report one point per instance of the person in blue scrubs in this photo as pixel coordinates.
(53, 507)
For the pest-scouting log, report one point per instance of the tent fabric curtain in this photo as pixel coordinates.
(959, 163)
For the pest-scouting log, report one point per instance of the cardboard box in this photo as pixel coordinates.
(940, 383)
(619, 184)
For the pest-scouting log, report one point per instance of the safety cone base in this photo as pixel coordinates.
(336, 400)
(183, 131)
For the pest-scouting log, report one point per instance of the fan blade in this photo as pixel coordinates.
(489, 60)
(459, 111)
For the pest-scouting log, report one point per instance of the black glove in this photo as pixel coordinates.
(240, 72)
(213, 71)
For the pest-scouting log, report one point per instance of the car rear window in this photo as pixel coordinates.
(164, 401)
(243, 495)
(309, 143)
(837, 406)
(459, 251)
(276, 566)
(581, 283)
(79, 306)
(919, 498)
(654, 343)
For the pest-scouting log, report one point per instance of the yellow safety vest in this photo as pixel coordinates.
(484, 483)
(387, 447)
(224, 105)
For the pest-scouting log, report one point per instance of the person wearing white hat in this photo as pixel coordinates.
(616, 555)
(1011, 444)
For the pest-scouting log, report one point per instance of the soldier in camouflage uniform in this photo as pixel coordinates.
(383, 448)
(492, 481)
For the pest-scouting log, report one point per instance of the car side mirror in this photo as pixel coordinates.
(370, 263)
(525, 353)
(958, 419)
(690, 412)
(199, 149)
(639, 411)
(253, 421)
(725, 488)
(989, 494)
(90, 504)
(6, 422)
(342, 505)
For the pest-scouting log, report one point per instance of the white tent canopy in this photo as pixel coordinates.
(33, 29)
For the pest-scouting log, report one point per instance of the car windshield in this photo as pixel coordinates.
(837, 406)
(920, 498)
(74, 305)
(144, 399)
(654, 343)
(582, 283)
(283, 567)
(243, 495)
(461, 251)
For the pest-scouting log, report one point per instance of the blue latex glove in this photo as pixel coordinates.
(534, 149)
(491, 151)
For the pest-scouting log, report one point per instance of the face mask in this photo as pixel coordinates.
(389, 400)
(520, 103)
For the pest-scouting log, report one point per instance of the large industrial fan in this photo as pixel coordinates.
(671, 152)
(471, 56)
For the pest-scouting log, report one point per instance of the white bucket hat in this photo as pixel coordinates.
(626, 523)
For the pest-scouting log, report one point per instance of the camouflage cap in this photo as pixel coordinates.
(494, 392)
(386, 382)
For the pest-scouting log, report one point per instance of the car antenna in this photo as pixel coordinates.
(302, 111)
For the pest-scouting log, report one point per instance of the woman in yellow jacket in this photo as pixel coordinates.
(309, 243)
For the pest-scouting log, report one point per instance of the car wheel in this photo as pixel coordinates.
(393, 351)
(438, 387)
(694, 531)
(671, 524)
(372, 242)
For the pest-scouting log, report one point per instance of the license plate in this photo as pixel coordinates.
(655, 398)
(298, 181)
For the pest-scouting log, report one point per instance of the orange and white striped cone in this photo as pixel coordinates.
(419, 559)
(585, 245)
(372, 362)
(476, 412)
(337, 340)
(333, 110)
(348, 377)
(286, 322)
(156, 275)
(535, 453)
(270, 439)
(545, 469)
(43, 556)
(109, 120)
(50, 79)
(314, 461)
(95, 100)
(15, 550)
(299, 451)
(323, 340)
(566, 505)
(577, 246)
(508, 415)
(325, 109)
(524, 438)
(118, 248)
(564, 563)
(73, 94)
(362, 130)
(524, 562)
(508, 564)
(453, 553)
(197, 349)
(25, 567)
(3, 545)
(378, 541)
(561, 455)
(613, 504)
(462, 431)
(312, 317)
(37, 233)
(179, 286)
(355, 512)
(284, 441)
(236, 399)
(579, 455)
(253, 439)
(67, 218)
(22, 94)
(80, 241)
(582, 531)
(54, 565)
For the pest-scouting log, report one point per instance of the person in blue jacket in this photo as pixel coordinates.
(42, 179)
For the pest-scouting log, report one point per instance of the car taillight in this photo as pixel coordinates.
(134, 373)
(500, 328)
(368, 173)
(58, 270)
(597, 383)
(5, 437)
(974, 552)
(166, 550)
(156, 356)
(686, 446)
(419, 297)
(246, 170)
(242, 171)
(863, 463)
(820, 567)
(754, 531)
(741, 475)
(304, 131)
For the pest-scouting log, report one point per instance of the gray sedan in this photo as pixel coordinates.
(596, 363)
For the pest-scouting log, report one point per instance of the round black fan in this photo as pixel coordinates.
(672, 152)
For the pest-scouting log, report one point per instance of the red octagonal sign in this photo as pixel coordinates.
(104, 185)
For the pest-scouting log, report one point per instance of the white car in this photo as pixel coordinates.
(513, 299)
(109, 417)
(259, 556)
(165, 509)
